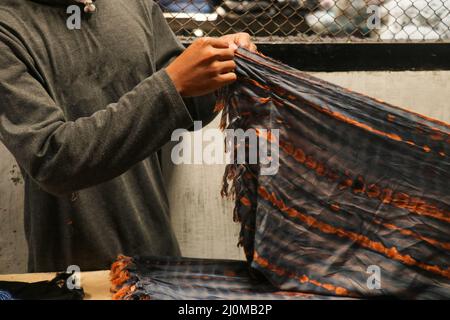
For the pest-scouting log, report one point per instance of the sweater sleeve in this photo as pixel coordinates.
(167, 47)
(64, 156)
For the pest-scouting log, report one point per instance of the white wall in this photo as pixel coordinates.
(202, 220)
(13, 248)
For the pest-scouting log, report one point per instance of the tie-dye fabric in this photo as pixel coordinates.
(360, 206)
(173, 278)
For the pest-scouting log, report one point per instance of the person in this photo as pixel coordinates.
(85, 111)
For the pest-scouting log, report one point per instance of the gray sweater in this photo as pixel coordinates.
(84, 112)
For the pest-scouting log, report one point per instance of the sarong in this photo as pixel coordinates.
(360, 204)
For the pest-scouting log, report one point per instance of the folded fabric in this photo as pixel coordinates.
(360, 205)
(172, 278)
(55, 289)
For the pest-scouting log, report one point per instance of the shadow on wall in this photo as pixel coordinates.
(202, 219)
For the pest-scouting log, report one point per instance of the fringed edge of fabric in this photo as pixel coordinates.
(236, 177)
(123, 280)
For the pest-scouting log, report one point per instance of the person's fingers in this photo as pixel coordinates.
(233, 46)
(227, 78)
(253, 47)
(231, 43)
(223, 54)
(218, 43)
(225, 66)
(244, 40)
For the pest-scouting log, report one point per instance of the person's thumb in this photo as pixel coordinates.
(233, 46)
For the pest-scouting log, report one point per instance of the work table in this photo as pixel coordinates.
(95, 284)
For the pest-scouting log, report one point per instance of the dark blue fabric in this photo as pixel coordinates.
(359, 208)
(174, 278)
(5, 295)
(362, 185)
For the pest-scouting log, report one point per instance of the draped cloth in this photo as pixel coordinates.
(360, 205)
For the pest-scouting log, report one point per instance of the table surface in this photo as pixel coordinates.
(95, 284)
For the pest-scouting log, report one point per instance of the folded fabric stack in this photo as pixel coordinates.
(359, 207)
(172, 278)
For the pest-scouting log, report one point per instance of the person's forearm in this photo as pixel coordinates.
(91, 150)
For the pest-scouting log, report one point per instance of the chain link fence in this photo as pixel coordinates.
(312, 20)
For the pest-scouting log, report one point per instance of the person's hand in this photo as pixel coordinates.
(205, 66)
(240, 39)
